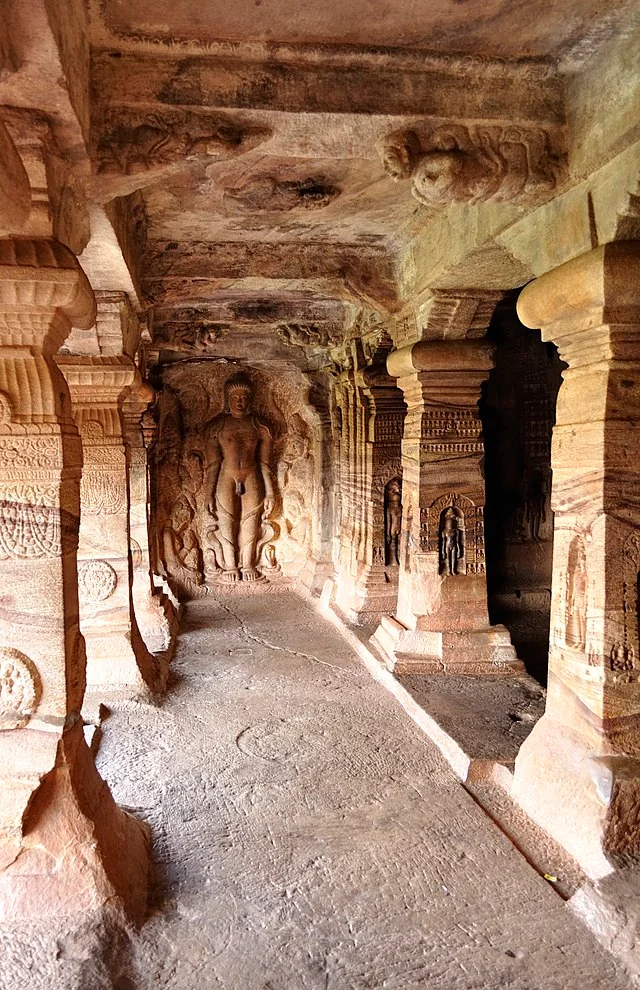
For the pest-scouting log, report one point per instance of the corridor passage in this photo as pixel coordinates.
(308, 835)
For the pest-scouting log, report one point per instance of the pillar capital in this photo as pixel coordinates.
(43, 293)
(594, 289)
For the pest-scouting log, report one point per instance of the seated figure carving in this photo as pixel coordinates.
(239, 484)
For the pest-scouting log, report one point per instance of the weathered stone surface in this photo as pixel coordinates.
(588, 735)
(285, 385)
(319, 841)
(64, 844)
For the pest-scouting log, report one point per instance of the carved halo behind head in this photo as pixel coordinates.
(239, 382)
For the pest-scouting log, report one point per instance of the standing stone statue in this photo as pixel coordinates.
(238, 480)
(393, 520)
(451, 543)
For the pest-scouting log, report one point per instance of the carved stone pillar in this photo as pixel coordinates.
(118, 662)
(153, 611)
(65, 847)
(318, 568)
(379, 495)
(578, 773)
(442, 621)
(352, 419)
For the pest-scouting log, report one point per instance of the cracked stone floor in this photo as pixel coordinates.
(306, 835)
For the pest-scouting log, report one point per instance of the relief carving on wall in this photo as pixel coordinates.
(236, 477)
(268, 194)
(20, 688)
(238, 481)
(168, 138)
(97, 581)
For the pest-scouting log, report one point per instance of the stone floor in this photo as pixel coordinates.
(307, 836)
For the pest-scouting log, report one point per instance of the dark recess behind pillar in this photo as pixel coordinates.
(518, 412)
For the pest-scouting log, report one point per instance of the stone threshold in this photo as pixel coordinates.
(478, 723)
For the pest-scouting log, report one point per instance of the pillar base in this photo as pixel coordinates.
(156, 621)
(314, 574)
(580, 795)
(375, 595)
(78, 852)
(480, 651)
(119, 668)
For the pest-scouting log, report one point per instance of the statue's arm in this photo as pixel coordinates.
(265, 465)
(214, 458)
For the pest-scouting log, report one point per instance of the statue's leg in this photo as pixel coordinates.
(249, 526)
(226, 508)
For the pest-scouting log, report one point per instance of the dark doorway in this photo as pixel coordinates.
(518, 412)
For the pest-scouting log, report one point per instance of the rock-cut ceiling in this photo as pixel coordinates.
(274, 161)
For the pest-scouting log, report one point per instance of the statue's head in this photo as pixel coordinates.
(399, 153)
(237, 394)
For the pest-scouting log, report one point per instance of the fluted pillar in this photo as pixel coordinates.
(442, 621)
(578, 773)
(65, 847)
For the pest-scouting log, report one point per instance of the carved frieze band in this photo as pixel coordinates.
(30, 451)
(102, 493)
(451, 431)
(30, 524)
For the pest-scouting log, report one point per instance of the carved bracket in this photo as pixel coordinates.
(474, 164)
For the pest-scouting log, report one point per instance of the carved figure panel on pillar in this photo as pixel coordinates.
(453, 528)
(576, 634)
(393, 520)
(452, 541)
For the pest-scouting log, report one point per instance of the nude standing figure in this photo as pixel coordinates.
(238, 480)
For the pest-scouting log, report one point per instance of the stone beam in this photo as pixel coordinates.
(444, 88)
(197, 270)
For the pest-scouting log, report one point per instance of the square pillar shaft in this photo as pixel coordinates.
(442, 620)
(118, 662)
(578, 773)
(65, 847)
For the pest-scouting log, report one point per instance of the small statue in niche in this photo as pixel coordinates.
(238, 478)
(392, 520)
(576, 594)
(451, 541)
(270, 562)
